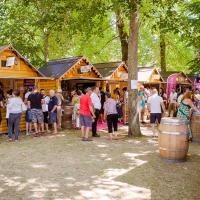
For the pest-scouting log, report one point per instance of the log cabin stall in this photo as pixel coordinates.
(115, 75)
(74, 73)
(16, 72)
(182, 80)
(150, 77)
(69, 74)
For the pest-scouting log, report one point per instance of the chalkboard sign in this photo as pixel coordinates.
(29, 82)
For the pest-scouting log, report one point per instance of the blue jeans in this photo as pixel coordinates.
(14, 120)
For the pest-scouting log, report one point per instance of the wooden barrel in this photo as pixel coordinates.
(195, 125)
(173, 139)
(67, 117)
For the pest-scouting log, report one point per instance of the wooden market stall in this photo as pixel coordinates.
(70, 74)
(115, 75)
(182, 80)
(16, 72)
(150, 77)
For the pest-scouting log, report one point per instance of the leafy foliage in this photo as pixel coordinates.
(89, 28)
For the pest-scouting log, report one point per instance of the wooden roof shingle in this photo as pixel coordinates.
(56, 68)
(107, 69)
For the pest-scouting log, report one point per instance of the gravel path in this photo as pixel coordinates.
(65, 168)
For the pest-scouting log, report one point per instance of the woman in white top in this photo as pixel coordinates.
(15, 108)
(110, 112)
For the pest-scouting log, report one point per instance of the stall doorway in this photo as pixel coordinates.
(70, 85)
(83, 86)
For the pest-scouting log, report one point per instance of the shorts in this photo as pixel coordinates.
(46, 117)
(28, 116)
(37, 116)
(154, 117)
(85, 120)
(52, 117)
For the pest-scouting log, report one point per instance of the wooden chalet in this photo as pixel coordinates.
(150, 77)
(70, 73)
(16, 72)
(182, 80)
(114, 75)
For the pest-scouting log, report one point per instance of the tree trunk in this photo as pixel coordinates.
(123, 35)
(162, 53)
(46, 45)
(134, 126)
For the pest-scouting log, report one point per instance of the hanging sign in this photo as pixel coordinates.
(171, 83)
(29, 82)
(85, 69)
(134, 84)
(124, 76)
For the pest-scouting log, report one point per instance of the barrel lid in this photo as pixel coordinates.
(174, 120)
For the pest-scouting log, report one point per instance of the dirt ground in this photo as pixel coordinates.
(65, 168)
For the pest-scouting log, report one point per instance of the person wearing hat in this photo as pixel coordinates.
(59, 107)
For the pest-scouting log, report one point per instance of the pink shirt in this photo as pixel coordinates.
(85, 103)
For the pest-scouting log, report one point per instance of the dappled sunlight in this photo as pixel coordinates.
(70, 179)
(105, 187)
(115, 190)
(134, 141)
(146, 131)
(102, 145)
(39, 166)
(35, 186)
(1, 190)
(56, 136)
(153, 141)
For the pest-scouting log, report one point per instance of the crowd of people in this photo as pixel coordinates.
(157, 105)
(93, 106)
(90, 107)
(41, 111)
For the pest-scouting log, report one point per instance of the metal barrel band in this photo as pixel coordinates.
(173, 133)
(172, 150)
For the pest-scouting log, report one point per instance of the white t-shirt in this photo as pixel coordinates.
(27, 94)
(45, 104)
(155, 103)
(173, 97)
(95, 101)
(15, 105)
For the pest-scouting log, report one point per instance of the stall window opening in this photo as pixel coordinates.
(9, 62)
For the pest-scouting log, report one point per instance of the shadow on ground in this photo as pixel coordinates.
(65, 168)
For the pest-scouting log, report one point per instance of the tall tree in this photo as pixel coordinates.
(123, 35)
(134, 127)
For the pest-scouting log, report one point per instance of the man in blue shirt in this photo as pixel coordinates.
(52, 108)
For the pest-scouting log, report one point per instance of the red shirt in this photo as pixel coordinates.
(85, 103)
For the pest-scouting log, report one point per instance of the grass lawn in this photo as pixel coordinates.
(63, 167)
